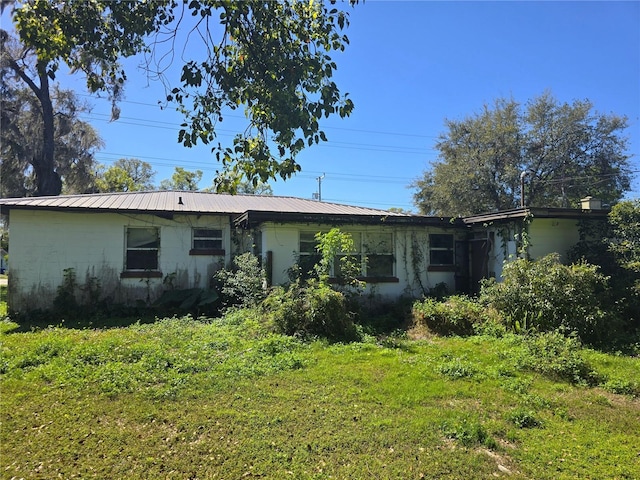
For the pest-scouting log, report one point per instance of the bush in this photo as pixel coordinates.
(554, 355)
(545, 295)
(311, 310)
(241, 285)
(457, 315)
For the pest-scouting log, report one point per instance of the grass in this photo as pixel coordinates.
(184, 398)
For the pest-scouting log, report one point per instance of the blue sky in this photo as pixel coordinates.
(409, 66)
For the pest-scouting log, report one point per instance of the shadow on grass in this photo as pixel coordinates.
(41, 320)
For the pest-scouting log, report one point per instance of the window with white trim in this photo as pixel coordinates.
(142, 248)
(308, 256)
(207, 241)
(441, 249)
(378, 248)
(356, 254)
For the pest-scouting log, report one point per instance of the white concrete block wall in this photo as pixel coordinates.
(283, 241)
(552, 235)
(45, 243)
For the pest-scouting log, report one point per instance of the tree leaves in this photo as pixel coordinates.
(567, 150)
(272, 58)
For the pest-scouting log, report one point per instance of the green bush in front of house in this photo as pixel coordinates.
(242, 284)
(454, 315)
(544, 295)
(313, 309)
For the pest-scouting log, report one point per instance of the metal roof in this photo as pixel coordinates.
(535, 212)
(174, 202)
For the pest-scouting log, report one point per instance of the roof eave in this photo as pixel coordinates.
(535, 212)
(253, 218)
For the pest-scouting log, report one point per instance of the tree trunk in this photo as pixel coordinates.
(48, 181)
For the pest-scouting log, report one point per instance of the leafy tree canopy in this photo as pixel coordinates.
(75, 141)
(182, 180)
(568, 151)
(270, 58)
(625, 219)
(126, 175)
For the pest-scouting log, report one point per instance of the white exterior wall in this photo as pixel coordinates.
(552, 235)
(45, 243)
(411, 254)
(546, 236)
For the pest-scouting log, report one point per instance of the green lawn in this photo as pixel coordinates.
(181, 398)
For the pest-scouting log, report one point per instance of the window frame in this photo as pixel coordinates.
(360, 252)
(150, 272)
(207, 251)
(370, 250)
(438, 248)
(313, 257)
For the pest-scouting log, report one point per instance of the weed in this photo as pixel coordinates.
(558, 356)
(622, 387)
(456, 368)
(523, 418)
(469, 432)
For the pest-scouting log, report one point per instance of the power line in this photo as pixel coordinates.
(372, 132)
(230, 133)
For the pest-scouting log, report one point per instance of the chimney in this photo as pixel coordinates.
(590, 203)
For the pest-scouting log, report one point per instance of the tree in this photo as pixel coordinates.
(77, 34)
(272, 58)
(260, 188)
(75, 142)
(230, 182)
(126, 175)
(182, 180)
(567, 151)
(625, 220)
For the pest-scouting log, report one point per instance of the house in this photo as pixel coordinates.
(135, 245)
(496, 238)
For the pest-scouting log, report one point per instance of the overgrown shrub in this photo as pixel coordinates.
(557, 356)
(456, 315)
(544, 295)
(379, 316)
(193, 300)
(242, 284)
(309, 310)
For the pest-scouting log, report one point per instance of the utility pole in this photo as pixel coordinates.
(523, 175)
(320, 187)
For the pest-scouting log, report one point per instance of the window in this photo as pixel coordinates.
(355, 254)
(378, 247)
(142, 247)
(207, 241)
(308, 256)
(441, 249)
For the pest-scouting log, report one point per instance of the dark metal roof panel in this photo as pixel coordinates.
(539, 212)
